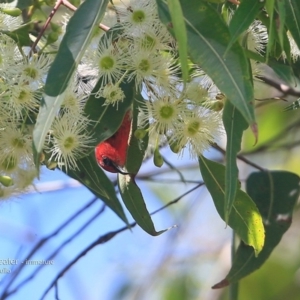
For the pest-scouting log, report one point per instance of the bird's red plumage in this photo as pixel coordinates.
(115, 147)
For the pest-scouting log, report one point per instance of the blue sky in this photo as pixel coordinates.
(128, 257)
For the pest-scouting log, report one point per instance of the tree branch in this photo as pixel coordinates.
(16, 273)
(283, 88)
(108, 236)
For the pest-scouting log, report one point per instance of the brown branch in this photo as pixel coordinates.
(271, 141)
(283, 88)
(69, 5)
(106, 237)
(54, 10)
(41, 243)
(55, 252)
(240, 157)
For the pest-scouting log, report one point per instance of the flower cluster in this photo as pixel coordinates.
(20, 91)
(137, 49)
(22, 79)
(142, 51)
(145, 52)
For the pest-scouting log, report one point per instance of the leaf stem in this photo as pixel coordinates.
(233, 287)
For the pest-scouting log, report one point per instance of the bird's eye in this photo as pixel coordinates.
(107, 162)
(112, 166)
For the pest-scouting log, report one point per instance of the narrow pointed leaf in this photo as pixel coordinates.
(270, 6)
(242, 18)
(293, 19)
(23, 3)
(235, 125)
(20, 3)
(280, 22)
(134, 201)
(245, 218)
(136, 147)
(208, 38)
(180, 34)
(92, 176)
(285, 72)
(21, 34)
(78, 34)
(275, 194)
(106, 119)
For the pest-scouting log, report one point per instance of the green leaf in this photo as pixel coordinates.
(275, 194)
(208, 38)
(235, 125)
(137, 147)
(20, 3)
(92, 176)
(106, 119)
(285, 72)
(21, 34)
(295, 105)
(24, 3)
(180, 34)
(254, 56)
(242, 18)
(78, 34)
(270, 6)
(293, 19)
(286, 47)
(245, 218)
(133, 200)
(280, 22)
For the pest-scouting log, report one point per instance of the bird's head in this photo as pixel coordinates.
(109, 159)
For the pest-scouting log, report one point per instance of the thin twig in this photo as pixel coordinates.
(54, 10)
(51, 256)
(281, 134)
(101, 240)
(56, 291)
(42, 242)
(283, 88)
(106, 237)
(69, 5)
(240, 157)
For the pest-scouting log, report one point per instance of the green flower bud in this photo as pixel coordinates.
(6, 180)
(217, 105)
(14, 12)
(52, 37)
(56, 28)
(174, 146)
(51, 165)
(157, 158)
(42, 157)
(140, 133)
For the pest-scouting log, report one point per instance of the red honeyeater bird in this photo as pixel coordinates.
(111, 153)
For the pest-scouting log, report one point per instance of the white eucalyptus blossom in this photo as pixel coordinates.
(140, 51)
(69, 141)
(138, 16)
(295, 52)
(199, 129)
